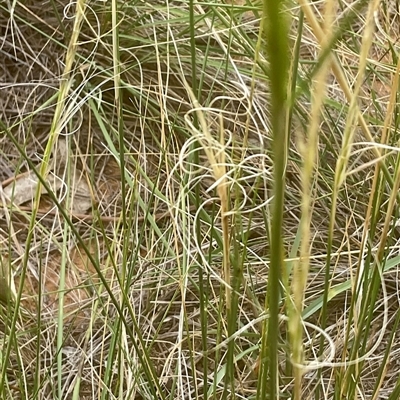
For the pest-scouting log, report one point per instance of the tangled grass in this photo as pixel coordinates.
(142, 252)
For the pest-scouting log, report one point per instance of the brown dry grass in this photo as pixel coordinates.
(30, 71)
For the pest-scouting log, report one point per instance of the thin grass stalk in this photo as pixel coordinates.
(65, 87)
(395, 394)
(44, 168)
(77, 385)
(59, 19)
(386, 359)
(119, 106)
(38, 333)
(384, 139)
(228, 233)
(203, 289)
(309, 151)
(275, 31)
(119, 328)
(9, 306)
(294, 69)
(212, 389)
(239, 238)
(367, 296)
(204, 301)
(292, 96)
(341, 165)
(61, 288)
(183, 267)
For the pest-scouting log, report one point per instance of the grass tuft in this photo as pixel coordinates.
(199, 200)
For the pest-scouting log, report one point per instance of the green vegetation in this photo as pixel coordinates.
(199, 200)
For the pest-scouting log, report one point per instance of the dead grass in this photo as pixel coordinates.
(150, 261)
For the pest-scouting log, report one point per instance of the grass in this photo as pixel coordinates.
(199, 200)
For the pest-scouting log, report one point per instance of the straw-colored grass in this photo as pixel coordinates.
(199, 200)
